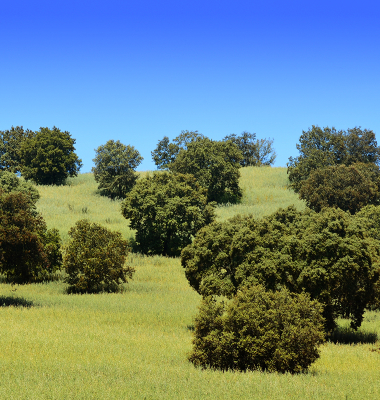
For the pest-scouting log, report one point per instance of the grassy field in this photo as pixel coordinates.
(133, 345)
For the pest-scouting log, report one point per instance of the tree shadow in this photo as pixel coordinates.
(12, 301)
(347, 335)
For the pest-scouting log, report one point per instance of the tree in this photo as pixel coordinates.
(95, 259)
(28, 251)
(115, 166)
(9, 182)
(166, 152)
(215, 165)
(270, 331)
(328, 255)
(166, 210)
(10, 144)
(321, 148)
(256, 152)
(48, 158)
(348, 188)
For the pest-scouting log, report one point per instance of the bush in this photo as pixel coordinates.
(270, 331)
(256, 152)
(9, 182)
(28, 251)
(215, 165)
(10, 145)
(48, 157)
(166, 210)
(115, 166)
(95, 259)
(348, 188)
(321, 148)
(330, 255)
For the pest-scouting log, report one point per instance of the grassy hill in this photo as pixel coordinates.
(133, 345)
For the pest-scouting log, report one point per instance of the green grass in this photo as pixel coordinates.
(133, 345)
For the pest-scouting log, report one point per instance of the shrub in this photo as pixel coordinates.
(321, 148)
(9, 182)
(270, 331)
(330, 255)
(166, 210)
(256, 152)
(215, 165)
(28, 251)
(348, 188)
(115, 166)
(48, 158)
(95, 259)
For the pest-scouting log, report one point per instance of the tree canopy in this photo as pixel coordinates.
(166, 210)
(48, 158)
(115, 166)
(321, 148)
(256, 152)
(215, 165)
(330, 255)
(349, 188)
(28, 251)
(10, 144)
(165, 153)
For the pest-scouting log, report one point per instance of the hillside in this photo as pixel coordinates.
(264, 191)
(134, 345)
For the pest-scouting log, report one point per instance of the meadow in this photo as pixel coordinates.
(133, 345)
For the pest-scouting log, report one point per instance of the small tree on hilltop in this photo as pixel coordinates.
(167, 210)
(95, 259)
(269, 331)
(215, 165)
(165, 153)
(256, 152)
(115, 166)
(321, 148)
(10, 144)
(48, 158)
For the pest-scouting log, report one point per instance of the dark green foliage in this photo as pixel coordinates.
(28, 251)
(321, 148)
(115, 166)
(48, 157)
(9, 182)
(166, 210)
(95, 259)
(330, 255)
(215, 165)
(349, 188)
(256, 152)
(258, 330)
(166, 152)
(10, 145)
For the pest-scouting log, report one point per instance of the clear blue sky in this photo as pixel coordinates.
(136, 71)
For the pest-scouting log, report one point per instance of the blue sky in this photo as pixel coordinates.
(137, 71)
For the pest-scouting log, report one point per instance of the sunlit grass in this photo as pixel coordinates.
(133, 345)
(265, 189)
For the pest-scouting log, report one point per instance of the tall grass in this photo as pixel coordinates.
(265, 189)
(133, 345)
